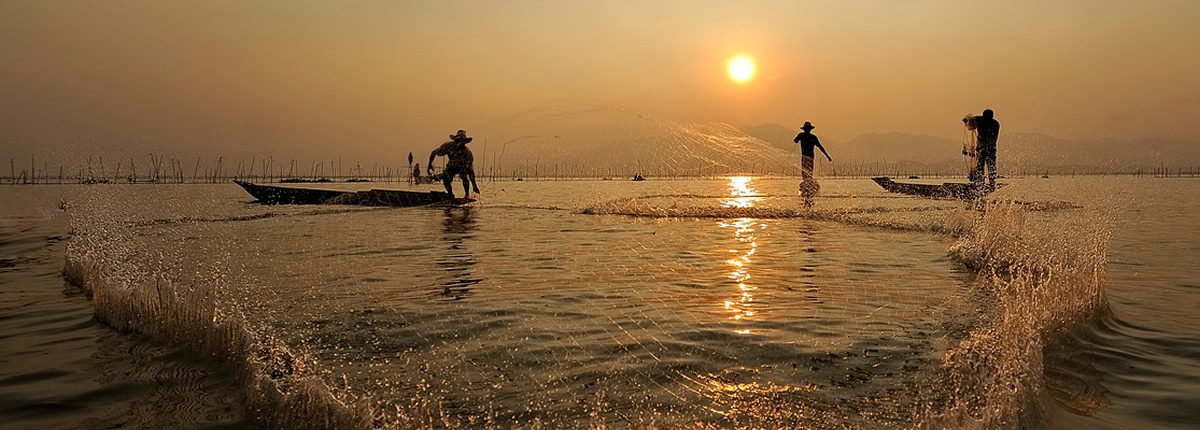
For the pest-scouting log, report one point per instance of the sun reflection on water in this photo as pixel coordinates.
(743, 195)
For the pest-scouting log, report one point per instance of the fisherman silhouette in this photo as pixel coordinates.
(807, 141)
(460, 162)
(988, 132)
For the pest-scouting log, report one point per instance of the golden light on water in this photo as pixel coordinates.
(742, 195)
(741, 69)
(741, 305)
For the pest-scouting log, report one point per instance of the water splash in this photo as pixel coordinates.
(1032, 285)
(991, 377)
(280, 386)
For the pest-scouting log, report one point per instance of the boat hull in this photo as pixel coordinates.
(268, 194)
(948, 190)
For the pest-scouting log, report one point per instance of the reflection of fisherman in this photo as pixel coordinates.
(807, 141)
(460, 162)
(458, 261)
(988, 132)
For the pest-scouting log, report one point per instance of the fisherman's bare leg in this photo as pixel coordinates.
(466, 185)
(471, 174)
(977, 173)
(447, 179)
(990, 160)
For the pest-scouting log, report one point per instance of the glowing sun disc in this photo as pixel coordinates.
(741, 69)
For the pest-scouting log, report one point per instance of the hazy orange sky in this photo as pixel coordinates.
(372, 78)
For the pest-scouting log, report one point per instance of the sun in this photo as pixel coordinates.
(741, 69)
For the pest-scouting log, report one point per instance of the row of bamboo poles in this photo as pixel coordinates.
(159, 169)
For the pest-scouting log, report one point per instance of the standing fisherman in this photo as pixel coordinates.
(988, 132)
(460, 162)
(807, 140)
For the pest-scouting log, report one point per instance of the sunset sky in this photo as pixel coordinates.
(370, 78)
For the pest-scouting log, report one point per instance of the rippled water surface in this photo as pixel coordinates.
(676, 303)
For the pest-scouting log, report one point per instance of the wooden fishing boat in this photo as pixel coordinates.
(269, 194)
(948, 190)
(395, 198)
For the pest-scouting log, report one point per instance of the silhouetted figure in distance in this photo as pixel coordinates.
(988, 132)
(460, 161)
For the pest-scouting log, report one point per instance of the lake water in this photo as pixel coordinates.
(1065, 303)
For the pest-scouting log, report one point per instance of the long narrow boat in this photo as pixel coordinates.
(948, 190)
(269, 194)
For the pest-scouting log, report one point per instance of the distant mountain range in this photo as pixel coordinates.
(599, 139)
(1021, 153)
(775, 134)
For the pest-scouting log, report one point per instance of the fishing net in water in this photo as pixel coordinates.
(713, 301)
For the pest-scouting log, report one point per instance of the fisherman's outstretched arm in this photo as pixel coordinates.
(444, 149)
(822, 148)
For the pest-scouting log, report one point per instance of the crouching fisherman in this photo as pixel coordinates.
(460, 162)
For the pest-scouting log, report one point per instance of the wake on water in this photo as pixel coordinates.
(1032, 284)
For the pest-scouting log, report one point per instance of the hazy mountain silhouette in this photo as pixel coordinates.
(593, 138)
(775, 134)
(1017, 153)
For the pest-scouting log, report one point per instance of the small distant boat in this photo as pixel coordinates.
(638, 177)
(432, 179)
(948, 190)
(269, 194)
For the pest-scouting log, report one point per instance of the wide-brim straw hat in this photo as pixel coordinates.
(807, 126)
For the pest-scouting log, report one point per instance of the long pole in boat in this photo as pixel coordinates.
(12, 170)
